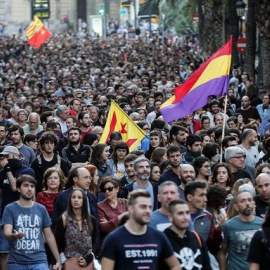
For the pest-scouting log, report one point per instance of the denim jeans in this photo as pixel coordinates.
(39, 266)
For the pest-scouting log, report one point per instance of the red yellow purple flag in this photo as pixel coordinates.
(118, 120)
(211, 78)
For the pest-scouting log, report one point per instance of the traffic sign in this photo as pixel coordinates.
(241, 45)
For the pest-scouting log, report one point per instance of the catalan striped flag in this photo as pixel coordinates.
(211, 78)
(37, 33)
(33, 27)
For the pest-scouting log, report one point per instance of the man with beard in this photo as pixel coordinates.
(238, 233)
(25, 223)
(248, 112)
(194, 149)
(48, 158)
(249, 140)
(167, 192)
(174, 156)
(178, 137)
(3, 135)
(130, 176)
(12, 168)
(142, 172)
(76, 153)
(187, 175)
(214, 109)
(136, 245)
(85, 122)
(187, 245)
(16, 134)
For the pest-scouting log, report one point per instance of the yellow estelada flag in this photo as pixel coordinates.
(118, 120)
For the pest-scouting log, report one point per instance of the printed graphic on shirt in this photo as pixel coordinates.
(142, 254)
(30, 227)
(187, 258)
(242, 240)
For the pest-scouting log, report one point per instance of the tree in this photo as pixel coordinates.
(262, 15)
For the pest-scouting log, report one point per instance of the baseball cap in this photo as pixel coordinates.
(10, 150)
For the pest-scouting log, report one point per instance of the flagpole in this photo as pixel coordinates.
(224, 123)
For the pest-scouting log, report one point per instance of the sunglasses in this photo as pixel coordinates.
(110, 189)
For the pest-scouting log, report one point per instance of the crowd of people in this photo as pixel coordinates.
(193, 195)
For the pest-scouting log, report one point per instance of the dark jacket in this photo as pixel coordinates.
(205, 227)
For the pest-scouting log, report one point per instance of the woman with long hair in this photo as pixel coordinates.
(156, 140)
(202, 169)
(222, 177)
(116, 163)
(262, 168)
(155, 172)
(99, 158)
(75, 233)
(159, 155)
(205, 122)
(53, 182)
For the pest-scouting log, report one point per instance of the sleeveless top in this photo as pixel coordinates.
(78, 243)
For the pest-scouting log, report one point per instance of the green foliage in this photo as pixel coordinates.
(178, 13)
(180, 17)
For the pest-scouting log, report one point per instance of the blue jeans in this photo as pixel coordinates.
(39, 266)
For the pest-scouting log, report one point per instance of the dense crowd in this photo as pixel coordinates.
(208, 186)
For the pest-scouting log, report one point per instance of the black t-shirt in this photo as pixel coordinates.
(133, 252)
(240, 174)
(259, 251)
(261, 207)
(250, 113)
(191, 251)
(40, 169)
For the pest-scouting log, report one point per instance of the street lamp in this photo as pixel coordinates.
(240, 9)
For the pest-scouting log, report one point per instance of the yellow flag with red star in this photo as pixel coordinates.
(118, 120)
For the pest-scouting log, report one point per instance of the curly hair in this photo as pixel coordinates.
(216, 197)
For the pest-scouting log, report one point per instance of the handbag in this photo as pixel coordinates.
(72, 264)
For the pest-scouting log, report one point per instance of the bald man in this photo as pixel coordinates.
(248, 112)
(262, 200)
(33, 126)
(187, 174)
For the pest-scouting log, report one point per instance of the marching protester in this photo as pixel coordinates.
(65, 93)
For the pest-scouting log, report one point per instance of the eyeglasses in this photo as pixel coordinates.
(240, 157)
(110, 189)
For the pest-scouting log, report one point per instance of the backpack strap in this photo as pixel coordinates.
(198, 238)
(59, 160)
(39, 161)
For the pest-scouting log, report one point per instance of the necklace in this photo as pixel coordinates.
(78, 219)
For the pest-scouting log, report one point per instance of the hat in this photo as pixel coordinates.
(22, 111)
(10, 150)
